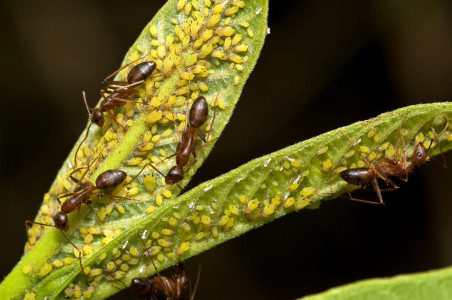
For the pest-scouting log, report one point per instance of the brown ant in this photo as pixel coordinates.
(81, 196)
(119, 93)
(366, 176)
(388, 167)
(160, 286)
(187, 141)
(401, 169)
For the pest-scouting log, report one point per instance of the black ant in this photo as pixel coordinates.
(81, 196)
(119, 94)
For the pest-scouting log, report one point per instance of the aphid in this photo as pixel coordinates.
(117, 94)
(366, 176)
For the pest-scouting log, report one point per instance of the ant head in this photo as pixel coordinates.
(419, 154)
(174, 175)
(61, 221)
(97, 117)
(140, 286)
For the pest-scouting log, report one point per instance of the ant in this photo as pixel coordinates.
(187, 141)
(162, 287)
(401, 169)
(119, 93)
(388, 167)
(81, 196)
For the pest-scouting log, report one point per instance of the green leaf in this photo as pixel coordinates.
(219, 44)
(427, 285)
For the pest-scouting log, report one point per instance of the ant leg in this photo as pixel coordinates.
(196, 284)
(444, 163)
(79, 254)
(92, 209)
(116, 197)
(114, 119)
(125, 286)
(142, 171)
(175, 124)
(377, 190)
(358, 200)
(213, 119)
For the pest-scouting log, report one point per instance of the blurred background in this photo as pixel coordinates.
(325, 64)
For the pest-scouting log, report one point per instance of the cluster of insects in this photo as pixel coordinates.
(386, 168)
(115, 95)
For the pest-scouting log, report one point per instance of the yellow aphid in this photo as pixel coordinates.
(153, 30)
(77, 292)
(199, 236)
(239, 67)
(154, 116)
(233, 209)
(340, 169)
(187, 76)
(183, 248)
(155, 235)
(27, 269)
(109, 208)
(301, 203)
(167, 231)
(268, 210)
(187, 8)
(120, 208)
(250, 32)
(134, 161)
(206, 35)
(158, 199)
(155, 101)
(29, 296)
(88, 249)
(419, 138)
(68, 260)
(235, 58)
(308, 191)
(231, 11)
(161, 51)
(326, 165)
(217, 9)
(225, 31)
(364, 149)
(95, 272)
(377, 138)
(242, 199)
(293, 187)
(207, 3)
(239, 4)
(172, 221)
(223, 220)
(164, 243)
(93, 230)
(252, 205)
(213, 20)
(390, 152)
(289, 202)
(206, 220)
(241, 48)
(218, 54)
(236, 79)
(45, 270)
(205, 50)
(185, 227)
(88, 238)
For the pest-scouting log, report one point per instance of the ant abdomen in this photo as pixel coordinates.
(358, 176)
(140, 286)
(198, 112)
(110, 179)
(141, 71)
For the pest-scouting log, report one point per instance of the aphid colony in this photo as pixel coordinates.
(158, 86)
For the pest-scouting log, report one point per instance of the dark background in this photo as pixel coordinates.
(325, 64)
